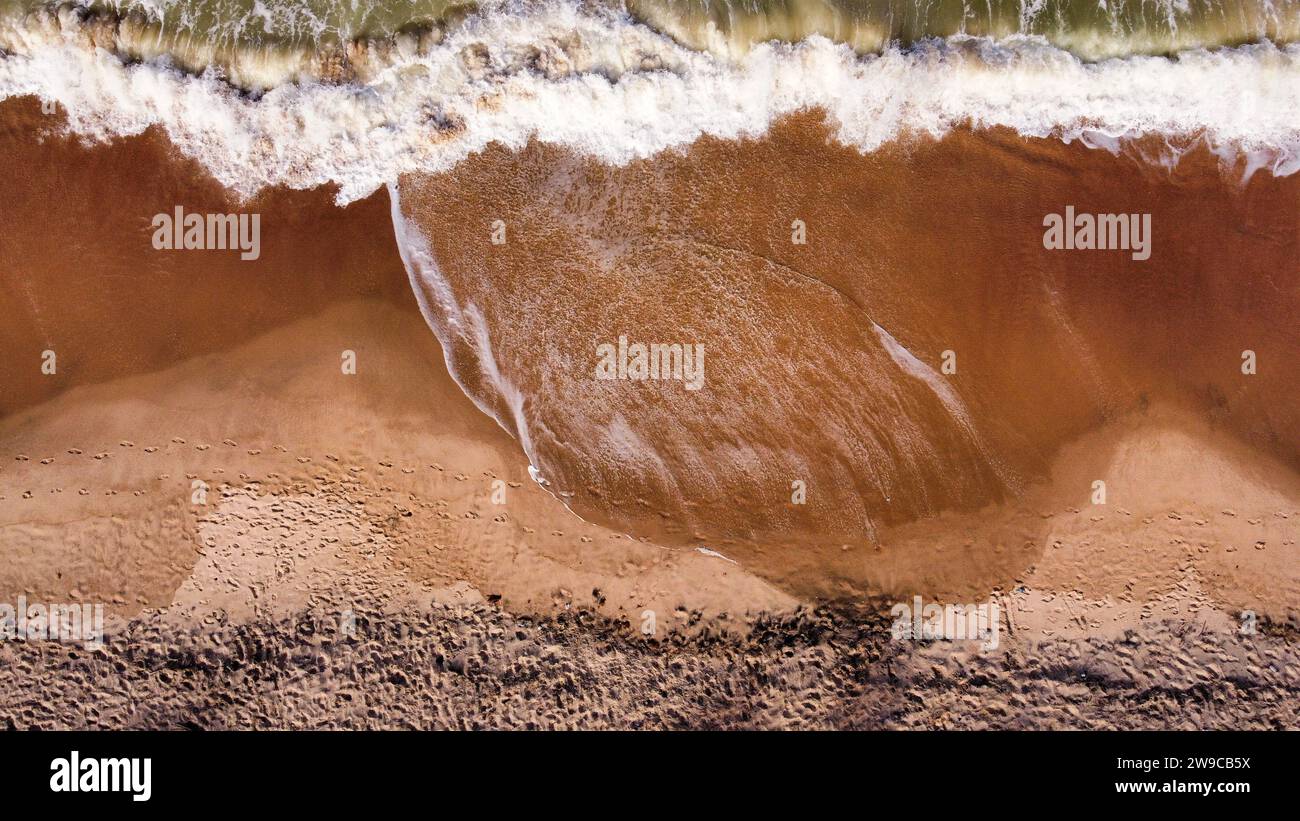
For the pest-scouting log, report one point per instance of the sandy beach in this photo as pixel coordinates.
(280, 542)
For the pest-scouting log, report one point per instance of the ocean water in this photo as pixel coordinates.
(1088, 28)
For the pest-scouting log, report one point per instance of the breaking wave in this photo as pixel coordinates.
(599, 81)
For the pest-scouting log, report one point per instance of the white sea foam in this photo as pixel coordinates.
(601, 84)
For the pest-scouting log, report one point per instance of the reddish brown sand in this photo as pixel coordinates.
(373, 492)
